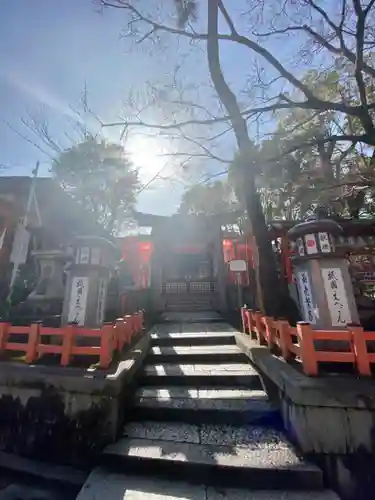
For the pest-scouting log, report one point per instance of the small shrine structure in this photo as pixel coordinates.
(184, 260)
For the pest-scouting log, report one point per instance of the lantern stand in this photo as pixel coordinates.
(324, 284)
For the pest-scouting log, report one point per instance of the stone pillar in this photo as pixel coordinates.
(86, 287)
(324, 285)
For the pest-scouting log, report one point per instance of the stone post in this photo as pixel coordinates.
(324, 285)
(89, 274)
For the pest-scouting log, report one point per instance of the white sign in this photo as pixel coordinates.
(20, 245)
(102, 293)
(306, 297)
(325, 245)
(237, 266)
(85, 255)
(300, 247)
(95, 256)
(78, 300)
(336, 296)
(310, 243)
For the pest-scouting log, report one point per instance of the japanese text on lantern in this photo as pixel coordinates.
(78, 301)
(101, 302)
(325, 245)
(306, 297)
(300, 247)
(336, 296)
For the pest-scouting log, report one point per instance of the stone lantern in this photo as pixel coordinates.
(87, 283)
(322, 275)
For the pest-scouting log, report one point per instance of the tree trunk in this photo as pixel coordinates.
(268, 284)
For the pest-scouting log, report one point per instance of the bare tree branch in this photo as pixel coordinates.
(342, 50)
(27, 139)
(227, 18)
(369, 7)
(254, 46)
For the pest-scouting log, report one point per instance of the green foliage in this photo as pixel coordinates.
(100, 177)
(208, 199)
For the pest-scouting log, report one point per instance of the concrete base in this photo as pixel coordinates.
(65, 415)
(331, 419)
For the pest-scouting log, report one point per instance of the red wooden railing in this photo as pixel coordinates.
(105, 341)
(351, 345)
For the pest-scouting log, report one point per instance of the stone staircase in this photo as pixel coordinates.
(202, 428)
(190, 301)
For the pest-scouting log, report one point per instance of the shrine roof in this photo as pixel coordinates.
(150, 220)
(350, 226)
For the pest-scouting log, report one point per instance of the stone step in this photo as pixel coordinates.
(192, 339)
(196, 354)
(188, 307)
(198, 326)
(105, 484)
(189, 317)
(186, 299)
(201, 375)
(206, 393)
(219, 406)
(248, 456)
(204, 326)
(252, 437)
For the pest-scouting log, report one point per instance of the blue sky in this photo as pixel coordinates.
(50, 48)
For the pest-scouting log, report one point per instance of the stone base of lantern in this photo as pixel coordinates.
(330, 419)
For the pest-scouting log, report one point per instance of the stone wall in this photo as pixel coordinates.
(340, 440)
(330, 419)
(65, 415)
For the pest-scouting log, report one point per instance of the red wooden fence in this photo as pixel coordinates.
(351, 345)
(106, 340)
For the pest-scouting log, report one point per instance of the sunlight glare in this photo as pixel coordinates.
(147, 154)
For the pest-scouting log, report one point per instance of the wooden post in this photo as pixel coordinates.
(127, 331)
(106, 346)
(307, 354)
(259, 328)
(136, 319)
(360, 349)
(120, 333)
(243, 318)
(284, 338)
(33, 342)
(141, 320)
(130, 321)
(67, 344)
(250, 321)
(269, 325)
(4, 332)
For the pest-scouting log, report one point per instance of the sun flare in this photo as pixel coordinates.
(148, 154)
